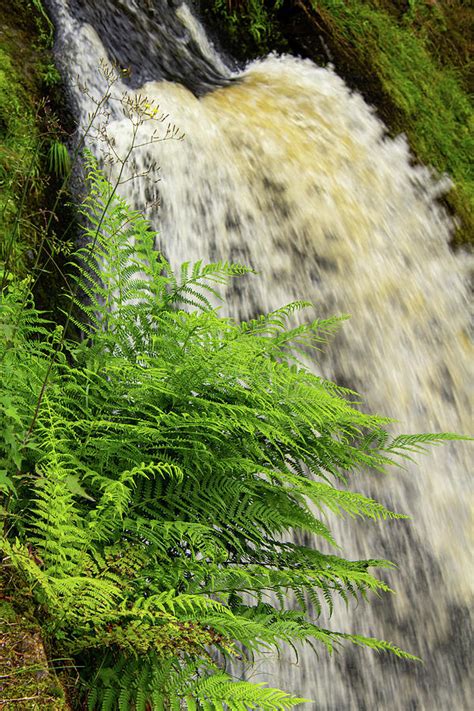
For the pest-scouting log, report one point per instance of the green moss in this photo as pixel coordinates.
(28, 126)
(19, 158)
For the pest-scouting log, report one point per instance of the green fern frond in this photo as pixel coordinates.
(378, 645)
(222, 692)
(417, 442)
(159, 467)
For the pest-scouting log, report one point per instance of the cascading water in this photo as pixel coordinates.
(285, 169)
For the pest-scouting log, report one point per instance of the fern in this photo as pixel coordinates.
(155, 471)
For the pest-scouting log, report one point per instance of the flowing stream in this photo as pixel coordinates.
(284, 169)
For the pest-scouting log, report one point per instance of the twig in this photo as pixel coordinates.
(23, 698)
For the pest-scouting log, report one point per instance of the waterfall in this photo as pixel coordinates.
(285, 169)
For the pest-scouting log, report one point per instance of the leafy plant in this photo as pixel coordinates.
(250, 24)
(153, 474)
(44, 24)
(59, 159)
(50, 75)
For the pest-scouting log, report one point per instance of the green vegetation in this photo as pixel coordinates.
(29, 91)
(412, 60)
(19, 160)
(251, 27)
(29, 132)
(153, 472)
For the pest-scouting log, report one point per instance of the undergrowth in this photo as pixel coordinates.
(250, 28)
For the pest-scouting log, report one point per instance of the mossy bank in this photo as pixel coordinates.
(410, 59)
(31, 139)
(29, 127)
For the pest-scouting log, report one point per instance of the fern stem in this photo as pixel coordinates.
(60, 344)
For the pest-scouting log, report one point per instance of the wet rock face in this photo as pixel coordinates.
(151, 40)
